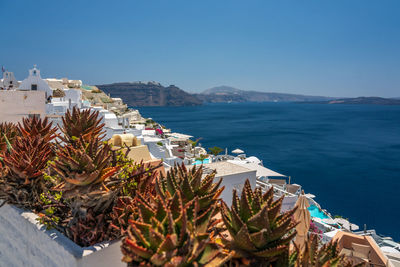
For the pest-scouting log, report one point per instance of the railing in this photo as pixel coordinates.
(277, 191)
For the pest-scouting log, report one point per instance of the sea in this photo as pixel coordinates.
(348, 156)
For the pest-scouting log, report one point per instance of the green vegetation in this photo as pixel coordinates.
(215, 150)
(106, 100)
(194, 143)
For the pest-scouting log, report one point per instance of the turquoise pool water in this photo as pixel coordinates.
(198, 162)
(315, 212)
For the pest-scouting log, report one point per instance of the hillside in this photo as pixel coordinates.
(137, 94)
(365, 101)
(231, 94)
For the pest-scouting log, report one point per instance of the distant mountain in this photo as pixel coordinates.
(139, 94)
(364, 100)
(222, 89)
(231, 94)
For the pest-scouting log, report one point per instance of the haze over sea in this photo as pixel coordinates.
(346, 155)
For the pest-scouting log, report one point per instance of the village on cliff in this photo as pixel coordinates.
(149, 142)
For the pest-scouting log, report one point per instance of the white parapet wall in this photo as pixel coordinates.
(25, 242)
(15, 104)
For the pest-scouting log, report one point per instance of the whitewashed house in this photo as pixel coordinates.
(35, 83)
(58, 105)
(8, 82)
(233, 177)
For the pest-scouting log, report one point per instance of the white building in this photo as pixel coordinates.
(60, 105)
(8, 82)
(233, 176)
(35, 83)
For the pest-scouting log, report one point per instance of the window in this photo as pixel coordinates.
(34, 87)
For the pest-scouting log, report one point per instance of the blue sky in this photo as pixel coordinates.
(332, 48)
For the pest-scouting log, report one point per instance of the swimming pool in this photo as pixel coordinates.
(315, 212)
(198, 162)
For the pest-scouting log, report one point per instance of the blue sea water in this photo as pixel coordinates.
(347, 155)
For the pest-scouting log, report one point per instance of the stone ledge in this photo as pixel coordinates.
(26, 242)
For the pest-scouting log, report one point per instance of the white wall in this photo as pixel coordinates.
(235, 181)
(25, 242)
(14, 104)
(34, 78)
(75, 95)
(156, 150)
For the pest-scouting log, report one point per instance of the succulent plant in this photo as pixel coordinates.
(190, 184)
(37, 127)
(27, 159)
(25, 163)
(314, 255)
(85, 172)
(28, 151)
(81, 124)
(163, 235)
(142, 179)
(91, 229)
(259, 232)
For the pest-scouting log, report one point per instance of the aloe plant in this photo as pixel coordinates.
(81, 124)
(315, 255)
(90, 229)
(85, 172)
(37, 127)
(25, 163)
(190, 184)
(140, 180)
(28, 151)
(163, 235)
(258, 232)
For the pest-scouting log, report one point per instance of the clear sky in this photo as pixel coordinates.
(317, 47)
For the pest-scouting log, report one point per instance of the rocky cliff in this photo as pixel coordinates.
(138, 94)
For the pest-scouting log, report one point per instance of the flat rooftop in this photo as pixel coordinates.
(225, 168)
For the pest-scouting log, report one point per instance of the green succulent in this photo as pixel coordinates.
(81, 124)
(315, 255)
(28, 152)
(163, 235)
(191, 184)
(85, 171)
(37, 127)
(259, 233)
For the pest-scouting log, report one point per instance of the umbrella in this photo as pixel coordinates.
(303, 217)
(237, 151)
